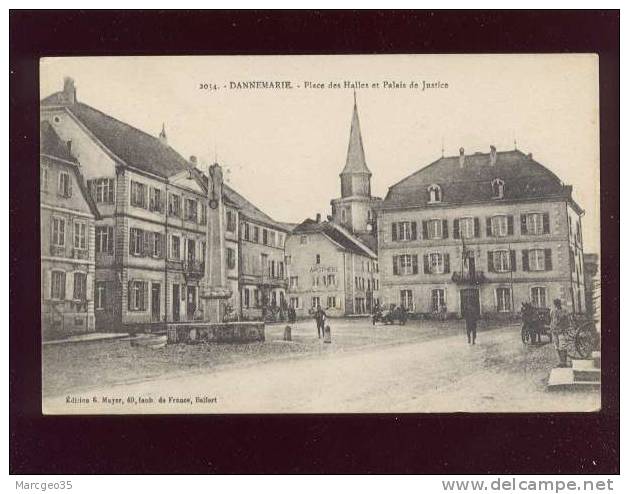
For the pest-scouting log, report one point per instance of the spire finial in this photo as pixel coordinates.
(442, 148)
(354, 97)
(162, 134)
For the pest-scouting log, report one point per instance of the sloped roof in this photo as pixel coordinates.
(133, 146)
(355, 162)
(250, 210)
(524, 179)
(51, 144)
(335, 233)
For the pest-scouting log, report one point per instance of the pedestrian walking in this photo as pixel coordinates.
(471, 318)
(559, 322)
(320, 317)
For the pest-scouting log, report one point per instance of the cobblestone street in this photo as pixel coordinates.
(421, 367)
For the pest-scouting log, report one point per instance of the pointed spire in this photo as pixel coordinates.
(355, 162)
(162, 134)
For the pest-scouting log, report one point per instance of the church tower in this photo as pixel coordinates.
(354, 209)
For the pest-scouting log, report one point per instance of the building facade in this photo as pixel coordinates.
(67, 221)
(328, 267)
(487, 230)
(150, 236)
(592, 284)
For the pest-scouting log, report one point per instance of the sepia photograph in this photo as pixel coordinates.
(320, 234)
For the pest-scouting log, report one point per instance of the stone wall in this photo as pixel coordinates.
(233, 332)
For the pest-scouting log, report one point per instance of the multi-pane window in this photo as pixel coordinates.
(406, 299)
(156, 245)
(136, 242)
(58, 232)
(174, 205)
(535, 223)
(256, 234)
(293, 281)
(44, 178)
(100, 294)
(537, 260)
(191, 210)
(303, 239)
(280, 240)
(406, 264)
(316, 302)
(538, 297)
(435, 229)
(503, 299)
(137, 296)
(502, 261)
(105, 239)
(332, 302)
(80, 286)
(405, 230)
(436, 262)
(65, 185)
(203, 214)
(265, 236)
(138, 194)
(102, 190)
(58, 285)
(499, 226)
(331, 279)
(80, 235)
(246, 297)
(434, 193)
(256, 297)
(318, 259)
(497, 188)
(156, 202)
(466, 227)
(175, 247)
(315, 281)
(294, 302)
(437, 299)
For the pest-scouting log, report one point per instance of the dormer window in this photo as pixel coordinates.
(434, 193)
(498, 188)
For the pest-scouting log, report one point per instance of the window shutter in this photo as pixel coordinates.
(146, 243)
(395, 265)
(523, 228)
(446, 263)
(513, 263)
(510, 224)
(146, 295)
(455, 229)
(488, 226)
(444, 226)
(548, 259)
(110, 194)
(46, 284)
(415, 267)
(425, 230)
(90, 188)
(525, 260)
(89, 287)
(490, 262)
(131, 237)
(110, 239)
(413, 230)
(546, 222)
(129, 297)
(426, 264)
(476, 227)
(394, 231)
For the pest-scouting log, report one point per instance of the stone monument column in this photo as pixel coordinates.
(215, 290)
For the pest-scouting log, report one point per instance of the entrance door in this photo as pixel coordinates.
(155, 302)
(470, 301)
(176, 302)
(191, 302)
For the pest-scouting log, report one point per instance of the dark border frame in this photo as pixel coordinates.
(436, 443)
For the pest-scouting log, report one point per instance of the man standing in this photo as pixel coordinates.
(471, 317)
(320, 317)
(558, 324)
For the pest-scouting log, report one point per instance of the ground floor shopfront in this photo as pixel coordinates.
(488, 299)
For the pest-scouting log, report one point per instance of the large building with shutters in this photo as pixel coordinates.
(486, 230)
(149, 241)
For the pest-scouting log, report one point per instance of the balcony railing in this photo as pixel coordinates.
(194, 269)
(469, 278)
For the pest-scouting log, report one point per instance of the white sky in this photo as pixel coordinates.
(284, 149)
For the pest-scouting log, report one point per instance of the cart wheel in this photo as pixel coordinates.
(586, 339)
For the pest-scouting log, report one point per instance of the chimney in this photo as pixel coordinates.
(162, 135)
(193, 160)
(461, 157)
(69, 90)
(530, 156)
(318, 217)
(492, 154)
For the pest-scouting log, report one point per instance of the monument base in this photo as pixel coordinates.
(226, 332)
